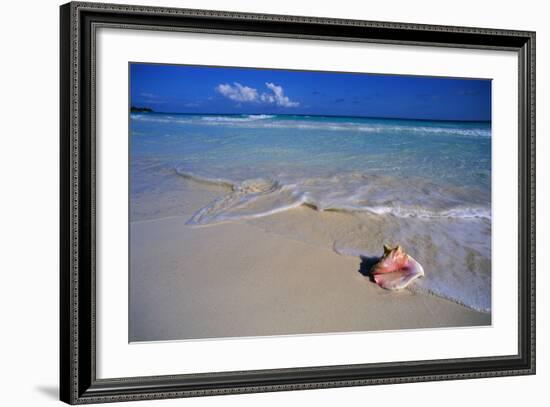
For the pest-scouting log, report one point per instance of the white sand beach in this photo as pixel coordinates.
(236, 279)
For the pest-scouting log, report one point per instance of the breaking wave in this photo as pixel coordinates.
(276, 122)
(239, 119)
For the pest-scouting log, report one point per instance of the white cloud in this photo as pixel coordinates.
(241, 93)
(278, 96)
(238, 92)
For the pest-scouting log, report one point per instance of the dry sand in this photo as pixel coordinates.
(236, 279)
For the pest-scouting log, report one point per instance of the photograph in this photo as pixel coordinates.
(266, 202)
(272, 200)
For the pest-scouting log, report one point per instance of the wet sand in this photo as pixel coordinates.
(237, 279)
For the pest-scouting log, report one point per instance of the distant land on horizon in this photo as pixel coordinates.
(142, 110)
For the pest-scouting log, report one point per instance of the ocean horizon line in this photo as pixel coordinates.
(309, 115)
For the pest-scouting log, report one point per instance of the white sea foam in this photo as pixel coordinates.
(348, 192)
(236, 119)
(462, 213)
(273, 122)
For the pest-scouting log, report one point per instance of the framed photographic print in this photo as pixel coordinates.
(257, 203)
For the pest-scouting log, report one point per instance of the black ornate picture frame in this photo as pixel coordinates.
(78, 381)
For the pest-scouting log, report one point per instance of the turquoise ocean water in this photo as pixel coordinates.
(427, 179)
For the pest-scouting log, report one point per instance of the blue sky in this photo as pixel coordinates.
(201, 89)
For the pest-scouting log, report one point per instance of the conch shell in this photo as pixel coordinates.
(396, 269)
